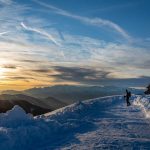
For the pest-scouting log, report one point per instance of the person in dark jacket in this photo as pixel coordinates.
(127, 96)
(148, 90)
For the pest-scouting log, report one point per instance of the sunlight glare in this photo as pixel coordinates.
(2, 71)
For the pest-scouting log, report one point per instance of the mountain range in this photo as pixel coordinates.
(46, 99)
(29, 104)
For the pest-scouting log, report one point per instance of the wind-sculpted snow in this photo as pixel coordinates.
(93, 124)
(144, 104)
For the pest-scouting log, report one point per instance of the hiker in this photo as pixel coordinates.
(148, 90)
(127, 96)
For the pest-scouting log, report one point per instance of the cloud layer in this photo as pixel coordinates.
(34, 52)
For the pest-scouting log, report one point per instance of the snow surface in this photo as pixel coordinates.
(102, 123)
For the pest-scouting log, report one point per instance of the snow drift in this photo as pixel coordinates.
(58, 129)
(144, 104)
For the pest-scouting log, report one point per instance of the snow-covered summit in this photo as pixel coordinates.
(102, 123)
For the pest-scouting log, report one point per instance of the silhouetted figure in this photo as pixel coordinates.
(127, 96)
(148, 90)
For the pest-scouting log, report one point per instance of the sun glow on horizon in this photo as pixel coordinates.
(2, 71)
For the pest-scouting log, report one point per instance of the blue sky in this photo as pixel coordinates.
(131, 15)
(88, 42)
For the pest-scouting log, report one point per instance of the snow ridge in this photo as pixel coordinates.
(60, 129)
(144, 103)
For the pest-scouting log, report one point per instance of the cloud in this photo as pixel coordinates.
(3, 33)
(9, 66)
(26, 79)
(30, 61)
(50, 37)
(79, 51)
(99, 22)
(78, 74)
(88, 76)
(41, 70)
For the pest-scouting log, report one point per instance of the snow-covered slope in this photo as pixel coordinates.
(102, 123)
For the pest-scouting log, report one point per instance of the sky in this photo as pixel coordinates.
(75, 42)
